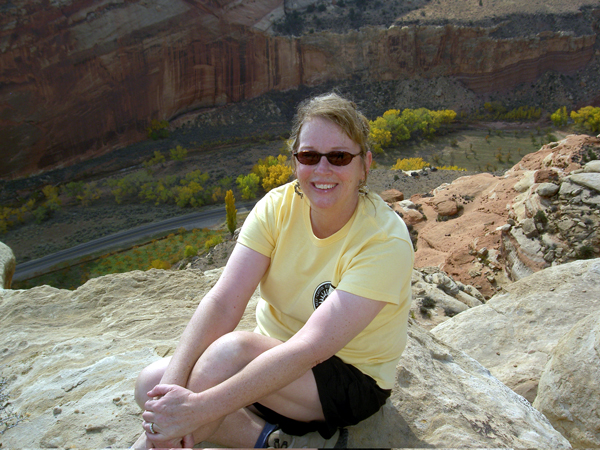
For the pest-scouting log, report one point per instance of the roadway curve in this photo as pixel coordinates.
(122, 239)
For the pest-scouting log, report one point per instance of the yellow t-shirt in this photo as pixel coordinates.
(371, 256)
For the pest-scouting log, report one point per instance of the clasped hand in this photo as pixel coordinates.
(171, 411)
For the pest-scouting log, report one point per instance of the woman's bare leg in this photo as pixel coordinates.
(223, 359)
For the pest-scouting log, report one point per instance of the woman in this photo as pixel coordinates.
(334, 265)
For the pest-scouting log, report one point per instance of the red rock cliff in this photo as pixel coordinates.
(84, 77)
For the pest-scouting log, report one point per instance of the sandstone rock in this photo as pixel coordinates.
(569, 388)
(547, 189)
(528, 227)
(524, 325)
(468, 300)
(71, 359)
(569, 188)
(406, 204)
(409, 213)
(525, 182)
(443, 398)
(392, 196)
(8, 263)
(592, 166)
(444, 282)
(446, 208)
(80, 351)
(436, 297)
(543, 176)
(590, 180)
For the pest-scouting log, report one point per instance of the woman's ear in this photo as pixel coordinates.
(368, 161)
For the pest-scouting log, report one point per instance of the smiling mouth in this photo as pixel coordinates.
(324, 186)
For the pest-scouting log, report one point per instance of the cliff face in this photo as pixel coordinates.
(80, 78)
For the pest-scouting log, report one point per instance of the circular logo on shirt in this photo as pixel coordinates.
(322, 292)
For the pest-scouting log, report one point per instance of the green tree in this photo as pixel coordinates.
(90, 193)
(52, 201)
(231, 211)
(158, 129)
(560, 117)
(248, 185)
(178, 153)
(158, 158)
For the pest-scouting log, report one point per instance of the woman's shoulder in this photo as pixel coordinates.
(382, 220)
(276, 204)
(278, 196)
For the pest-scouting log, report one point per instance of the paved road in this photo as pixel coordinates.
(122, 239)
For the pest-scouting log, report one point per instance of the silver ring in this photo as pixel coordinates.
(151, 425)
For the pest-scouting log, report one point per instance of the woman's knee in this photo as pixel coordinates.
(228, 355)
(149, 377)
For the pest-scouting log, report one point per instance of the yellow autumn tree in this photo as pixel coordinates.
(560, 117)
(587, 118)
(410, 164)
(272, 171)
(230, 211)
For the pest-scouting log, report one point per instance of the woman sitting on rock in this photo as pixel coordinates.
(334, 265)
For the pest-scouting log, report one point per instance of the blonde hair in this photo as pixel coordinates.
(338, 110)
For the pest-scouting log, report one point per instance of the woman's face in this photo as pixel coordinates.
(332, 190)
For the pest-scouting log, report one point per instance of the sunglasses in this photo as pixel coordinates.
(310, 157)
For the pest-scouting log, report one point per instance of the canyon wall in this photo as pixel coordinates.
(80, 78)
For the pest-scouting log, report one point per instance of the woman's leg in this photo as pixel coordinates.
(226, 357)
(223, 359)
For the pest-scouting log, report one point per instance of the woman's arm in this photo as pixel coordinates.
(219, 312)
(335, 323)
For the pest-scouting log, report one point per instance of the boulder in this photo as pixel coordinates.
(446, 208)
(569, 388)
(410, 215)
(592, 166)
(590, 180)
(444, 398)
(514, 333)
(8, 263)
(547, 189)
(392, 196)
(70, 359)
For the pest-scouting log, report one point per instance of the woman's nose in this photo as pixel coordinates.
(323, 165)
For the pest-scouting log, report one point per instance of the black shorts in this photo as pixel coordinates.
(347, 396)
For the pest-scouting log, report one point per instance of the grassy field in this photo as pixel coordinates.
(474, 150)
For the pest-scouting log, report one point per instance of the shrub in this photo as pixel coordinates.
(158, 129)
(159, 264)
(211, 242)
(540, 217)
(190, 251)
(158, 158)
(410, 164)
(178, 153)
(585, 252)
(456, 168)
